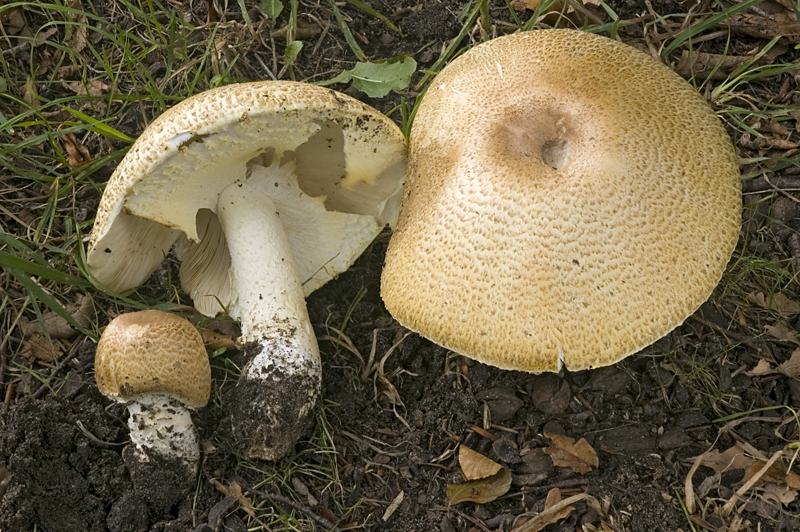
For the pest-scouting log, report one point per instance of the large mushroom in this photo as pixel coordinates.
(270, 189)
(569, 200)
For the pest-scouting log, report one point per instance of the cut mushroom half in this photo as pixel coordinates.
(569, 201)
(268, 190)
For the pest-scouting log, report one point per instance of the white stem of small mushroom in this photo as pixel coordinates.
(285, 367)
(161, 427)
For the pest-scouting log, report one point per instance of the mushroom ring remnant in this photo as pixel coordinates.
(569, 200)
(156, 363)
(268, 190)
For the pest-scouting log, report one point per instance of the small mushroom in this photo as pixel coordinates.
(157, 365)
(569, 201)
(268, 190)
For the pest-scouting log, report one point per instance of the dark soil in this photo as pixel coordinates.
(62, 466)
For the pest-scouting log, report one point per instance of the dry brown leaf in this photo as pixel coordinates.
(89, 87)
(215, 340)
(566, 452)
(480, 491)
(792, 366)
(81, 311)
(545, 518)
(765, 28)
(77, 153)
(732, 458)
(735, 458)
(781, 331)
(777, 302)
(762, 368)
(13, 21)
(36, 347)
(235, 490)
(779, 493)
(474, 465)
(30, 96)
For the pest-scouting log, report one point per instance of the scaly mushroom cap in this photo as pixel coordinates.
(568, 199)
(153, 352)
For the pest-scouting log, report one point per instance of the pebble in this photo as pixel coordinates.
(691, 418)
(610, 380)
(673, 438)
(629, 439)
(550, 394)
(506, 450)
(502, 402)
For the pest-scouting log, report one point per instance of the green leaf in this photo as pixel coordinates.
(378, 79)
(272, 8)
(292, 51)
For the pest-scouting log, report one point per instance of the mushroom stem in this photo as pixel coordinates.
(282, 374)
(161, 427)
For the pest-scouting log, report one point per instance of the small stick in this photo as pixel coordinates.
(763, 185)
(73, 351)
(794, 249)
(725, 332)
(474, 521)
(14, 49)
(321, 521)
(2, 369)
(731, 504)
(688, 487)
(566, 484)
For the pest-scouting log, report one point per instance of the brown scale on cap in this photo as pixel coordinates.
(153, 352)
(565, 194)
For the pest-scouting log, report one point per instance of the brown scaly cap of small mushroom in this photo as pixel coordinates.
(568, 200)
(153, 352)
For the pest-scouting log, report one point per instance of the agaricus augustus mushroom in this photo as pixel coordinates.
(270, 190)
(569, 200)
(157, 365)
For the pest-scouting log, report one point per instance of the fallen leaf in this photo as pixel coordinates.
(566, 452)
(554, 512)
(77, 153)
(393, 506)
(765, 28)
(474, 465)
(81, 311)
(780, 331)
(778, 302)
(792, 366)
(705, 65)
(90, 87)
(779, 493)
(481, 491)
(735, 458)
(234, 489)
(13, 20)
(215, 340)
(732, 458)
(36, 347)
(762, 368)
